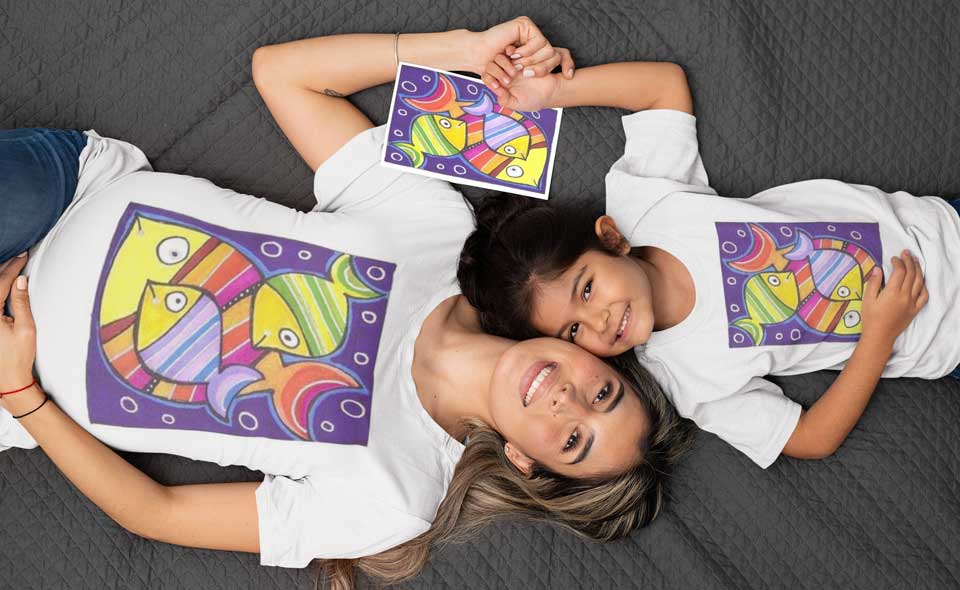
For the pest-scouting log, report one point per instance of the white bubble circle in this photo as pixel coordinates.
(376, 273)
(129, 404)
(731, 280)
(728, 247)
(368, 316)
(459, 169)
(396, 157)
(738, 337)
(779, 336)
(425, 78)
(741, 233)
(304, 255)
(398, 133)
(786, 231)
(271, 249)
(327, 426)
(359, 413)
(472, 89)
(535, 115)
(361, 358)
(168, 419)
(441, 167)
(831, 228)
(408, 86)
(248, 421)
(402, 112)
(795, 334)
(856, 235)
(734, 307)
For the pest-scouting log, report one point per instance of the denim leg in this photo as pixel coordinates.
(38, 178)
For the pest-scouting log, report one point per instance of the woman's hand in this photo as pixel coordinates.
(887, 312)
(531, 94)
(517, 49)
(18, 342)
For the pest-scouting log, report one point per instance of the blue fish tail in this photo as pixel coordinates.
(483, 106)
(223, 388)
(803, 247)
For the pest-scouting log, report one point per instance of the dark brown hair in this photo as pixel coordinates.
(518, 243)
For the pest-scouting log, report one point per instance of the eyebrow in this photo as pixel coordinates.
(616, 400)
(573, 295)
(612, 407)
(586, 449)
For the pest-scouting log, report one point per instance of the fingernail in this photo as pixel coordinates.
(570, 73)
(518, 66)
(506, 82)
(21, 255)
(21, 283)
(515, 56)
(528, 73)
(494, 85)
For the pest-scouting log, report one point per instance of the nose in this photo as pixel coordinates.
(563, 399)
(600, 320)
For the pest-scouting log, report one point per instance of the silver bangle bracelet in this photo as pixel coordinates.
(396, 49)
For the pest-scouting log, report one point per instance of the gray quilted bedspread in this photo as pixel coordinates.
(861, 90)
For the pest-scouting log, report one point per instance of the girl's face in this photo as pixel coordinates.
(601, 303)
(567, 410)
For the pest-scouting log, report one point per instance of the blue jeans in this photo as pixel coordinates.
(38, 178)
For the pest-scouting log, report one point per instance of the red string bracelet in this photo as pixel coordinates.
(32, 383)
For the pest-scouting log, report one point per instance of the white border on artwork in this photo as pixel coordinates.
(454, 179)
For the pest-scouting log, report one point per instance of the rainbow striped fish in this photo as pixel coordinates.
(498, 142)
(818, 280)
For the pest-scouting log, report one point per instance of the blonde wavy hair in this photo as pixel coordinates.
(486, 486)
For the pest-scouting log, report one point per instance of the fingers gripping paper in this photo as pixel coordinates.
(451, 127)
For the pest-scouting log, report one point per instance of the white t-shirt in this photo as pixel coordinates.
(311, 382)
(778, 280)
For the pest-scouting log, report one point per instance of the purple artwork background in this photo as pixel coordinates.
(735, 238)
(108, 397)
(402, 116)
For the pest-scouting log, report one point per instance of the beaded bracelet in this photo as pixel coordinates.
(32, 383)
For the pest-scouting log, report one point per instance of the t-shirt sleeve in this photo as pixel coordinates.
(105, 160)
(661, 156)
(758, 420)
(353, 179)
(300, 520)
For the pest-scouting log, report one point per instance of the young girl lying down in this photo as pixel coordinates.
(712, 294)
(331, 350)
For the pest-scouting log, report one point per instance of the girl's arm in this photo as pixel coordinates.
(213, 516)
(304, 82)
(635, 86)
(885, 314)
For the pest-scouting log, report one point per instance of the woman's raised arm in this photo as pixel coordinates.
(304, 82)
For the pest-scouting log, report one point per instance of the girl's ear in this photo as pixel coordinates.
(611, 238)
(519, 460)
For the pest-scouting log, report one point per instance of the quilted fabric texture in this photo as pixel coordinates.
(860, 91)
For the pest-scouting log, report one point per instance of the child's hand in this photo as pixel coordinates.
(517, 49)
(888, 312)
(529, 94)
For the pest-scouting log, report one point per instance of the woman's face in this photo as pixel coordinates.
(560, 406)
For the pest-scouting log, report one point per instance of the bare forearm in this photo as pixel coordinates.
(340, 65)
(122, 491)
(634, 86)
(824, 427)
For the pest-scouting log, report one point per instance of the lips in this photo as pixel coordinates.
(536, 380)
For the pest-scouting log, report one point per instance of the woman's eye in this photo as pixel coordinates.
(586, 290)
(602, 394)
(572, 441)
(574, 330)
